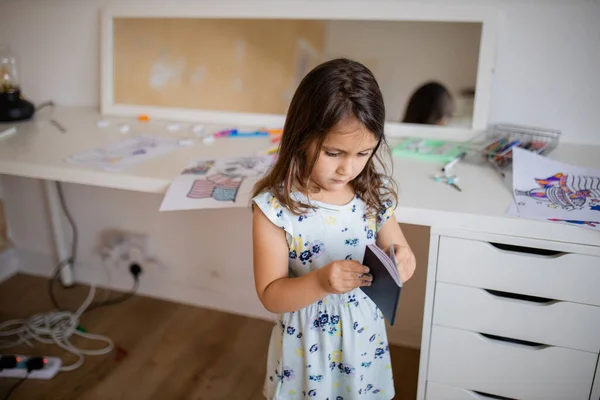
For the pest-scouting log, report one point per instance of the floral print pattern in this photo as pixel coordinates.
(337, 347)
(306, 252)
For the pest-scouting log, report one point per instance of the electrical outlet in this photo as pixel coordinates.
(120, 249)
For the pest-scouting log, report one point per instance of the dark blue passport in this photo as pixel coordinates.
(386, 286)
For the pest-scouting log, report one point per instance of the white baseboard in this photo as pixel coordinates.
(9, 264)
(162, 288)
(151, 286)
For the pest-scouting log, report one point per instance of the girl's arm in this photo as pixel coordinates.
(279, 293)
(276, 290)
(389, 233)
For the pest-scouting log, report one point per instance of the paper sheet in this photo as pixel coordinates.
(127, 152)
(595, 225)
(553, 191)
(215, 183)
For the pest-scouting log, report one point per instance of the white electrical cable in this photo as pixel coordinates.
(55, 327)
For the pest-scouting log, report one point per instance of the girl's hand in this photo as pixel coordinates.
(405, 259)
(342, 276)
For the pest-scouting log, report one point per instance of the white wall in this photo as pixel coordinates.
(404, 55)
(546, 74)
(547, 68)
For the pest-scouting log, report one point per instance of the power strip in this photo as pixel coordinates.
(51, 368)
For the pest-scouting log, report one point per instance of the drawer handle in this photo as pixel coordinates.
(482, 395)
(527, 250)
(525, 343)
(522, 297)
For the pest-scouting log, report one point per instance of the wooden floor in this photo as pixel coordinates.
(174, 351)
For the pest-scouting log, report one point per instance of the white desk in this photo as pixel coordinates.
(38, 150)
(463, 225)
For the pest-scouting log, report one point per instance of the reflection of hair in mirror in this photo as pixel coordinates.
(430, 104)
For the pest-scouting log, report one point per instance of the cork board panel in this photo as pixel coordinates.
(233, 65)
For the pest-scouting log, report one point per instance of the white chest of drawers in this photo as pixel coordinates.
(510, 318)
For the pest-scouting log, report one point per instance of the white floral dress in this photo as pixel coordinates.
(336, 348)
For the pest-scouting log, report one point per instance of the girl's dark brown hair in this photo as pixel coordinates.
(330, 92)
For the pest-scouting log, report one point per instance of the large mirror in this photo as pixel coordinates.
(430, 71)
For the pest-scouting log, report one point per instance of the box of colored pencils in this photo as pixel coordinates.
(499, 141)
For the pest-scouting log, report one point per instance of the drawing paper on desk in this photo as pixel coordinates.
(125, 153)
(513, 211)
(214, 183)
(554, 191)
(386, 287)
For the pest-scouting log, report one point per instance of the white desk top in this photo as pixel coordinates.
(38, 150)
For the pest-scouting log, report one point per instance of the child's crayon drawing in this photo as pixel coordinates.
(513, 211)
(593, 224)
(201, 168)
(223, 185)
(214, 183)
(569, 192)
(220, 187)
(553, 191)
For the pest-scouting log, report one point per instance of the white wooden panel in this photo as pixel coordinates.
(469, 360)
(555, 323)
(570, 276)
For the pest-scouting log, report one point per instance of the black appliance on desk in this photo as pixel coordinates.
(13, 106)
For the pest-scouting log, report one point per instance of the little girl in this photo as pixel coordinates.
(322, 202)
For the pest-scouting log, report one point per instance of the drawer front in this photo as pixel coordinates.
(469, 360)
(570, 277)
(557, 323)
(439, 391)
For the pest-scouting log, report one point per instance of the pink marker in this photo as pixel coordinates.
(224, 133)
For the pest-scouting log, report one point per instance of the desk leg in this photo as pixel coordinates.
(58, 233)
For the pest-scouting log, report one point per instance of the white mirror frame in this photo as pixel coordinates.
(325, 10)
